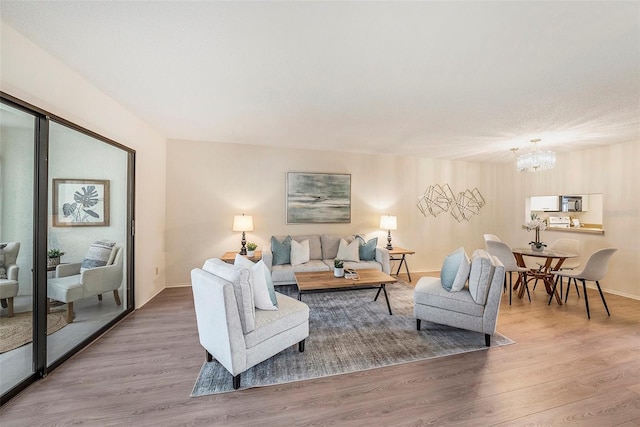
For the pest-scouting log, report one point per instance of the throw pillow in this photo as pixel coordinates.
(481, 270)
(281, 251)
(463, 273)
(98, 255)
(368, 249)
(349, 251)
(258, 281)
(299, 252)
(450, 268)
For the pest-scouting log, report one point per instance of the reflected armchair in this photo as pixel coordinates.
(9, 278)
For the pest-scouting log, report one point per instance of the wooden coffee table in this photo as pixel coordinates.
(325, 281)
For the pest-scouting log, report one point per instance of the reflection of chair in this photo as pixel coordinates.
(71, 284)
(232, 330)
(9, 286)
(503, 252)
(594, 270)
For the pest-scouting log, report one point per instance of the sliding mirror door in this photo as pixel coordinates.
(87, 238)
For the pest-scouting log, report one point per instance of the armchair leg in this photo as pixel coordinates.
(3, 303)
(100, 297)
(10, 305)
(418, 324)
(301, 346)
(236, 382)
(487, 340)
(116, 296)
(208, 357)
(70, 312)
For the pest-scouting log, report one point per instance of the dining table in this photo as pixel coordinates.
(546, 272)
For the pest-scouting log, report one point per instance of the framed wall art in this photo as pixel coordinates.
(318, 198)
(80, 202)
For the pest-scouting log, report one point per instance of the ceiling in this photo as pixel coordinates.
(451, 80)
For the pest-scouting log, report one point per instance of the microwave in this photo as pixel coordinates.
(571, 204)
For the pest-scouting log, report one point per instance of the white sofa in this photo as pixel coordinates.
(474, 308)
(231, 329)
(323, 249)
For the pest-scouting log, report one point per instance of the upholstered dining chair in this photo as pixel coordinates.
(594, 270)
(503, 252)
(9, 275)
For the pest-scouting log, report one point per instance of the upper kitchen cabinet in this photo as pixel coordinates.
(545, 204)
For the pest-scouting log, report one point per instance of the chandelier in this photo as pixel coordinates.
(536, 160)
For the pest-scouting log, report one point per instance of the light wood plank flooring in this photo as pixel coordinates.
(564, 370)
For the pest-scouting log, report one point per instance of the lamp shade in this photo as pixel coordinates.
(388, 222)
(243, 223)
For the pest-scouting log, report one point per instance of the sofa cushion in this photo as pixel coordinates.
(455, 269)
(257, 278)
(429, 291)
(299, 252)
(239, 278)
(98, 255)
(269, 324)
(360, 265)
(348, 251)
(331, 243)
(367, 248)
(481, 271)
(281, 250)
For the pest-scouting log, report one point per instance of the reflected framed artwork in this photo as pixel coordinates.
(318, 198)
(80, 202)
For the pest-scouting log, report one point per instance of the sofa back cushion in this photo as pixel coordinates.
(239, 278)
(331, 243)
(482, 268)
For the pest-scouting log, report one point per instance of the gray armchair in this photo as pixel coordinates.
(9, 278)
(474, 308)
(71, 284)
(232, 330)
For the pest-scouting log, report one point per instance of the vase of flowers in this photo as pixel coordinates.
(338, 268)
(536, 224)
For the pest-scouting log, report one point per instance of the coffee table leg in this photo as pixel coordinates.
(386, 297)
(378, 294)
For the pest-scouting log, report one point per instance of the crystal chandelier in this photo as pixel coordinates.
(536, 160)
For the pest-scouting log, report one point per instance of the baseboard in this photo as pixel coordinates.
(178, 285)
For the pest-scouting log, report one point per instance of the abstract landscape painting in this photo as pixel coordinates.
(318, 198)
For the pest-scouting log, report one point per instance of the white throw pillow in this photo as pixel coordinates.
(299, 252)
(257, 279)
(349, 251)
(463, 273)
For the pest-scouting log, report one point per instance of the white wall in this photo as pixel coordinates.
(208, 183)
(34, 76)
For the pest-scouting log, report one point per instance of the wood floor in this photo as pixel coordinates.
(563, 370)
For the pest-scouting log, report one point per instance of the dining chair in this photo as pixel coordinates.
(503, 252)
(594, 270)
(491, 237)
(571, 246)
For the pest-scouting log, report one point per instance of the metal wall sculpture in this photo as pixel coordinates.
(439, 198)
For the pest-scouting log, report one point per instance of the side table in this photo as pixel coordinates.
(230, 257)
(399, 254)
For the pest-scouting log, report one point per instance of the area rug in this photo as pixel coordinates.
(349, 332)
(16, 331)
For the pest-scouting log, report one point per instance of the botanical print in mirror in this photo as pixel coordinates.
(318, 198)
(80, 202)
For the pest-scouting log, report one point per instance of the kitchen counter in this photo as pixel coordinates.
(585, 228)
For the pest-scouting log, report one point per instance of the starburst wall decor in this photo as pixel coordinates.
(439, 198)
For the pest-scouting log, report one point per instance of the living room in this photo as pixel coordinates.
(188, 191)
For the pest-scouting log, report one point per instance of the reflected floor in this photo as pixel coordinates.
(90, 315)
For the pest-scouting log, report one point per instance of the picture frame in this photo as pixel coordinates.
(314, 198)
(80, 202)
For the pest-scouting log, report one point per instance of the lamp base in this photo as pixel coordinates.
(243, 249)
(389, 247)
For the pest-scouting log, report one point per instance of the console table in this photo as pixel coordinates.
(399, 254)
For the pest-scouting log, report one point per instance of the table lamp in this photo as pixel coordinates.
(243, 223)
(388, 222)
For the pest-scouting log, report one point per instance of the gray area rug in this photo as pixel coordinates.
(349, 332)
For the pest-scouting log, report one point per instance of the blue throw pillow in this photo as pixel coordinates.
(281, 251)
(368, 249)
(450, 268)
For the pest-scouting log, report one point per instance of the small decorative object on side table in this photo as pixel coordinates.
(53, 258)
(251, 249)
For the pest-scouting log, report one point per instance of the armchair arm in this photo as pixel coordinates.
(99, 280)
(383, 257)
(65, 270)
(12, 272)
(267, 257)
